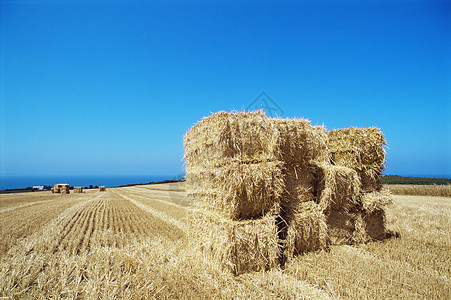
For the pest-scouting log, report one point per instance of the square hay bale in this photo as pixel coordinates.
(360, 149)
(376, 200)
(338, 188)
(102, 188)
(78, 189)
(341, 227)
(238, 191)
(370, 180)
(56, 190)
(300, 142)
(299, 186)
(307, 230)
(224, 137)
(370, 226)
(53, 190)
(240, 246)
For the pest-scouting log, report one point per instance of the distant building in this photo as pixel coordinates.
(37, 188)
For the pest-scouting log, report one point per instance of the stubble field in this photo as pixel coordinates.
(133, 243)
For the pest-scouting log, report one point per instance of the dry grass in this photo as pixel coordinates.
(131, 243)
(420, 190)
(416, 265)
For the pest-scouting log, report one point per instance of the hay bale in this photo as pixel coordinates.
(376, 200)
(300, 142)
(307, 230)
(56, 190)
(223, 138)
(338, 188)
(78, 189)
(341, 227)
(360, 149)
(370, 180)
(238, 191)
(240, 246)
(102, 188)
(52, 190)
(370, 226)
(299, 186)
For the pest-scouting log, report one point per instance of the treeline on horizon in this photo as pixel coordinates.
(395, 179)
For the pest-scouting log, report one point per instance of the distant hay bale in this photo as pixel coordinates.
(240, 246)
(338, 188)
(300, 142)
(56, 190)
(307, 230)
(360, 149)
(102, 188)
(52, 190)
(341, 227)
(223, 138)
(238, 191)
(78, 189)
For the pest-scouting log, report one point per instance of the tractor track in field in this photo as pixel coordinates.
(164, 216)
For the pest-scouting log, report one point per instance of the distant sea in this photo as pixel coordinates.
(19, 182)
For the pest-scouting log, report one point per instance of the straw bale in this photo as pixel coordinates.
(341, 227)
(358, 148)
(239, 191)
(300, 142)
(102, 188)
(377, 200)
(56, 190)
(64, 190)
(240, 246)
(222, 138)
(299, 186)
(78, 189)
(307, 230)
(370, 226)
(338, 188)
(53, 190)
(370, 180)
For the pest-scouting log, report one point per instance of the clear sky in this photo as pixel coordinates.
(110, 87)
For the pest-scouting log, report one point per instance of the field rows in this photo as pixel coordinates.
(133, 243)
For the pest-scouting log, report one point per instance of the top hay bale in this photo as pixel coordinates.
(360, 149)
(251, 137)
(224, 138)
(300, 142)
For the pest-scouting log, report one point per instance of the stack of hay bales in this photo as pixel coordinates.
(102, 188)
(267, 189)
(361, 152)
(65, 189)
(302, 148)
(78, 189)
(62, 188)
(235, 179)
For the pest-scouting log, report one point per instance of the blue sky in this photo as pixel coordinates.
(110, 87)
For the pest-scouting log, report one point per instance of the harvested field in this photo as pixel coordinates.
(420, 190)
(132, 243)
